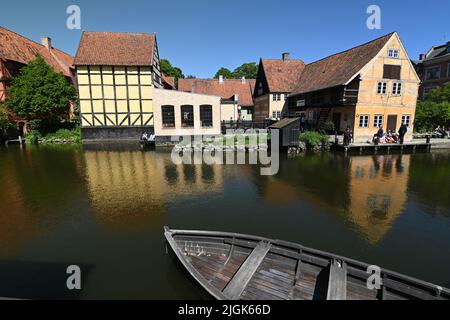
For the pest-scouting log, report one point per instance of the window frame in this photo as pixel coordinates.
(365, 123)
(431, 68)
(395, 53)
(408, 121)
(202, 121)
(384, 87)
(189, 123)
(164, 116)
(397, 88)
(276, 96)
(378, 120)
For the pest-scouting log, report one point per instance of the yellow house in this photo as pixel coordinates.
(116, 73)
(367, 87)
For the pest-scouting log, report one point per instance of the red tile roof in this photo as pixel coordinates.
(226, 90)
(115, 49)
(170, 81)
(282, 75)
(338, 69)
(15, 47)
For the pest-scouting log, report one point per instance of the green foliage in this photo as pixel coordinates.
(5, 122)
(33, 137)
(171, 71)
(39, 92)
(329, 126)
(314, 139)
(73, 135)
(226, 73)
(434, 110)
(247, 70)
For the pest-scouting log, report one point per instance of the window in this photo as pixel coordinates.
(187, 116)
(393, 53)
(364, 121)
(433, 73)
(276, 114)
(391, 71)
(406, 119)
(206, 116)
(276, 97)
(397, 88)
(378, 121)
(168, 117)
(382, 87)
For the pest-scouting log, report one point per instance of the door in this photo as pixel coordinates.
(337, 121)
(392, 122)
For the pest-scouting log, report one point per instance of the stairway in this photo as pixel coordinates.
(322, 118)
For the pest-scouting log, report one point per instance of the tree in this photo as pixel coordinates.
(226, 73)
(39, 92)
(247, 70)
(434, 110)
(5, 121)
(171, 71)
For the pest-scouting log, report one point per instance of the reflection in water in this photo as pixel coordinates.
(377, 191)
(131, 188)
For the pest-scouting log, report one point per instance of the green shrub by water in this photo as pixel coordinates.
(33, 137)
(314, 139)
(62, 135)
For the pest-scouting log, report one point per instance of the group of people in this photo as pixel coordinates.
(440, 132)
(146, 136)
(390, 136)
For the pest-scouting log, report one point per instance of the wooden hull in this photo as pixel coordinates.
(232, 266)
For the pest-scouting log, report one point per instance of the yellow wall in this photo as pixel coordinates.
(372, 103)
(115, 96)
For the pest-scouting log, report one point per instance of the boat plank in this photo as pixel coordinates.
(240, 280)
(337, 282)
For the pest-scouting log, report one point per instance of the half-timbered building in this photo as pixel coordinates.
(116, 74)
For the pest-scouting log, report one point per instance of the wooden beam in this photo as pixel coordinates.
(337, 282)
(240, 280)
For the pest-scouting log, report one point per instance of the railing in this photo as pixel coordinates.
(245, 124)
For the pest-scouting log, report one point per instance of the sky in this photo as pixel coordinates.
(200, 36)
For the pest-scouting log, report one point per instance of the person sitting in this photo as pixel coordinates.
(377, 137)
(144, 136)
(389, 137)
(151, 138)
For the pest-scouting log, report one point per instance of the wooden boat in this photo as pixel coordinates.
(231, 266)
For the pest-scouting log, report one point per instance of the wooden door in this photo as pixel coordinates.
(392, 122)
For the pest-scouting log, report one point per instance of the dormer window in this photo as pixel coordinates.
(392, 53)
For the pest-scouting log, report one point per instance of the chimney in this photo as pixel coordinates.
(421, 57)
(46, 42)
(221, 79)
(243, 80)
(285, 56)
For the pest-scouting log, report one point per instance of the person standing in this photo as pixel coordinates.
(402, 131)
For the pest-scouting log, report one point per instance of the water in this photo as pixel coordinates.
(104, 208)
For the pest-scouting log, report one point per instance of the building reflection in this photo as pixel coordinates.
(371, 192)
(132, 189)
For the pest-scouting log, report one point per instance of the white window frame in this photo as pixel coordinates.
(276, 97)
(365, 120)
(276, 114)
(406, 118)
(381, 87)
(394, 53)
(430, 68)
(397, 88)
(378, 120)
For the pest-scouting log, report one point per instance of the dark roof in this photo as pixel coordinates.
(15, 47)
(338, 69)
(438, 51)
(115, 49)
(168, 81)
(227, 90)
(282, 75)
(283, 123)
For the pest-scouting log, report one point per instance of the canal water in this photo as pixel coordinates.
(103, 208)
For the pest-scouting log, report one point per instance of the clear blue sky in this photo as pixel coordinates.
(200, 36)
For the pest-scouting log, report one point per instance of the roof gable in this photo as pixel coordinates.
(116, 48)
(340, 68)
(282, 75)
(15, 47)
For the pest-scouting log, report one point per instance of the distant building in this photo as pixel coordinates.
(17, 51)
(276, 79)
(371, 86)
(168, 82)
(236, 94)
(433, 68)
(116, 74)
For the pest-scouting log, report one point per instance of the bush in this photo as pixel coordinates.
(434, 110)
(73, 135)
(314, 139)
(5, 123)
(329, 126)
(33, 137)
